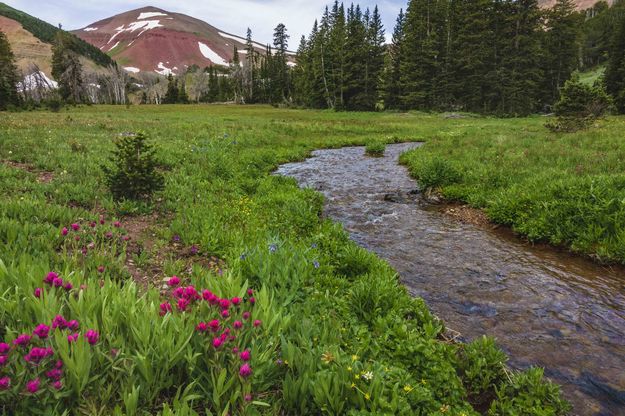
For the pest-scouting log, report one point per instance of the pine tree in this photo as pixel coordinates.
(67, 69)
(356, 54)
(250, 71)
(420, 63)
(183, 97)
(375, 58)
(171, 96)
(561, 43)
(280, 72)
(615, 70)
(9, 77)
(393, 74)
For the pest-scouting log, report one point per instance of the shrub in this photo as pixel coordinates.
(482, 369)
(437, 172)
(529, 394)
(133, 175)
(375, 148)
(579, 106)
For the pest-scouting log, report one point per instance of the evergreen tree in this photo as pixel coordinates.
(615, 70)
(561, 47)
(356, 55)
(8, 75)
(171, 96)
(280, 71)
(393, 74)
(375, 58)
(67, 69)
(250, 80)
(183, 97)
(420, 63)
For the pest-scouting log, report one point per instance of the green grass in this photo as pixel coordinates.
(591, 76)
(337, 333)
(564, 189)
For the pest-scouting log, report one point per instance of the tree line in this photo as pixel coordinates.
(502, 57)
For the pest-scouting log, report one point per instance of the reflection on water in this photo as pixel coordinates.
(545, 307)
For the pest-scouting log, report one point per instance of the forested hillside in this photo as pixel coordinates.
(47, 32)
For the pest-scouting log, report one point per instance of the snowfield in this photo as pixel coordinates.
(134, 26)
(90, 29)
(163, 70)
(36, 80)
(132, 69)
(147, 15)
(212, 55)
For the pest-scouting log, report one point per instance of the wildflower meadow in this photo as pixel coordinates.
(226, 292)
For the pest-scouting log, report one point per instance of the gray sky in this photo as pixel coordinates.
(232, 16)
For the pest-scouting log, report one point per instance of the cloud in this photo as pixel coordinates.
(233, 16)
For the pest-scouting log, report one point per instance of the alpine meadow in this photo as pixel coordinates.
(424, 219)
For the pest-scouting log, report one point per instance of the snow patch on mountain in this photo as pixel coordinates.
(147, 15)
(163, 70)
(134, 26)
(132, 69)
(37, 80)
(90, 29)
(208, 53)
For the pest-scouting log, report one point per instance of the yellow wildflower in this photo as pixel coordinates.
(367, 396)
(408, 388)
(349, 369)
(444, 408)
(354, 357)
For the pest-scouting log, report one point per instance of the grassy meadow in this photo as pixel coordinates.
(276, 311)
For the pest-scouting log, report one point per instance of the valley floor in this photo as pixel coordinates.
(333, 330)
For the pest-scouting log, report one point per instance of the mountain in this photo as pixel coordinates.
(154, 40)
(579, 4)
(31, 41)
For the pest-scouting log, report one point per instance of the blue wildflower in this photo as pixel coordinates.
(273, 248)
(316, 264)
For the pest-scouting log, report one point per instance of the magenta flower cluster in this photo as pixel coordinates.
(233, 317)
(36, 352)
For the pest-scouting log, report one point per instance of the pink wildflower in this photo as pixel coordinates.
(252, 300)
(235, 301)
(246, 315)
(59, 322)
(77, 238)
(235, 350)
(5, 383)
(108, 235)
(92, 224)
(250, 292)
(57, 282)
(214, 325)
(37, 292)
(36, 354)
(42, 331)
(3, 360)
(73, 325)
(206, 294)
(191, 293)
(173, 281)
(59, 364)
(245, 371)
(64, 231)
(248, 397)
(102, 220)
(246, 355)
(75, 227)
(224, 304)
(165, 307)
(225, 313)
(68, 286)
(33, 386)
(92, 336)
(178, 292)
(202, 327)
(257, 323)
(237, 324)
(55, 374)
(4, 348)
(217, 342)
(50, 277)
(182, 304)
(58, 385)
(100, 269)
(73, 337)
(22, 340)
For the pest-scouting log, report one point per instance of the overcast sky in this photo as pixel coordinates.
(232, 16)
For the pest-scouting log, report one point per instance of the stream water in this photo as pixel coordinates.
(545, 307)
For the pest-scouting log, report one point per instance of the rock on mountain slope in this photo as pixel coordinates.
(155, 40)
